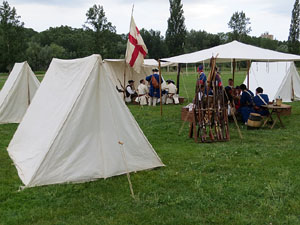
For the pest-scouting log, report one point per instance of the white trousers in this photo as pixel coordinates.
(142, 100)
(173, 99)
(152, 100)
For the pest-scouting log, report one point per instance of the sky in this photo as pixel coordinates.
(273, 16)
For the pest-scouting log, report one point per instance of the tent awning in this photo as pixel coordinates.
(233, 50)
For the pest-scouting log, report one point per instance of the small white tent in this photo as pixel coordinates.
(77, 129)
(278, 79)
(17, 93)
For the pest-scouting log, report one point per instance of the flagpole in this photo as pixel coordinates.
(160, 96)
(125, 64)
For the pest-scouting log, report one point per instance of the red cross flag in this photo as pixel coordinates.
(136, 48)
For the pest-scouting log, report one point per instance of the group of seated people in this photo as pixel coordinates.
(240, 99)
(244, 101)
(150, 93)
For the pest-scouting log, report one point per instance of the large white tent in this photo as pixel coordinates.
(87, 130)
(233, 50)
(17, 93)
(278, 79)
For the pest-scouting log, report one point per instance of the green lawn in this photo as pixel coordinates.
(251, 181)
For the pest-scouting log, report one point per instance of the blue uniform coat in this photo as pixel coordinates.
(246, 104)
(153, 92)
(258, 102)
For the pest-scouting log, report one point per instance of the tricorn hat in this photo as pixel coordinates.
(155, 70)
(131, 81)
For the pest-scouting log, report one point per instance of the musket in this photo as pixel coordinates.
(202, 118)
(225, 117)
(233, 115)
(220, 112)
(121, 85)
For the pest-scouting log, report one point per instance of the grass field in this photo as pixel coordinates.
(251, 181)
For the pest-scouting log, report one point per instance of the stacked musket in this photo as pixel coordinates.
(210, 110)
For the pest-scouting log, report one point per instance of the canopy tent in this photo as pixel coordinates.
(87, 130)
(233, 50)
(278, 79)
(154, 63)
(17, 93)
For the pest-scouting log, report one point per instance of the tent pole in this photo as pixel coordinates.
(233, 70)
(293, 91)
(124, 81)
(160, 95)
(248, 69)
(28, 86)
(178, 76)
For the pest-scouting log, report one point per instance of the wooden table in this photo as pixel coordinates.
(282, 110)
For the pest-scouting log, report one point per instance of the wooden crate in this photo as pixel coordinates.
(187, 115)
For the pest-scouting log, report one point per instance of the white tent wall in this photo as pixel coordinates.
(115, 69)
(295, 82)
(278, 79)
(17, 93)
(83, 122)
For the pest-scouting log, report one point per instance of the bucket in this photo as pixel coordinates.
(255, 120)
(278, 101)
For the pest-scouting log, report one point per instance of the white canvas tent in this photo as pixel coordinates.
(278, 79)
(116, 69)
(17, 93)
(233, 50)
(77, 129)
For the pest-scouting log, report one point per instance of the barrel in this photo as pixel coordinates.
(254, 120)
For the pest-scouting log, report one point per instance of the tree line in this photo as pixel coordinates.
(98, 36)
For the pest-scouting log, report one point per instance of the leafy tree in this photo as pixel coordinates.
(12, 40)
(76, 42)
(33, 55)
(155, 43)
(198, 40)
(176, 32)
(103, 29)
(293, 39)
(239, 25)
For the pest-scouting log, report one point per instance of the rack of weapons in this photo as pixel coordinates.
(210, 111)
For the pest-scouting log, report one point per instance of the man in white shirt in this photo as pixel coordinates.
(142, 93)
(172, 93)
(130, 92)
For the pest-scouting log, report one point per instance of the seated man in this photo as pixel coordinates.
(246, 103)
(142, 93)
(172, 96)
(230, 83)
(259, 100)
(130, 92)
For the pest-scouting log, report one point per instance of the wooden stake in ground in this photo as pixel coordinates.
(127, 171)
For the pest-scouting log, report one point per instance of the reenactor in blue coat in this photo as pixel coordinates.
(246, 103)
(154, 92)
(259, 100)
